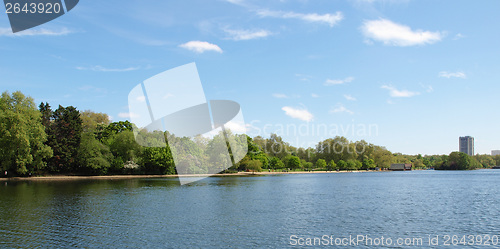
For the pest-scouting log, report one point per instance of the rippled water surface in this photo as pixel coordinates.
(242, 212)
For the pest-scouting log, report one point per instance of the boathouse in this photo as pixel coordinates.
(400, 166)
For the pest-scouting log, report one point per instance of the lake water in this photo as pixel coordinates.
(257, 212)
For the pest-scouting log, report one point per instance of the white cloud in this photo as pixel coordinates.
(242, 35)
(200, 46)
(280, 96)
(284, 96)
(104, 69)
(330, 82)
(330, 19)
(237, 2)
(393, 92)
(395, 34)
(252, 129)
(448, 75)
(301, 114)
(34, 32)
(168, 95)
(349, 97)
(141, 98)
(458, 36)
(341, 109)
(303, 77)
(428, 88)
(128, 115)
(380, 1)
(314, 95)
(236, 127)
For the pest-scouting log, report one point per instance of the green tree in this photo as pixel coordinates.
(307, 165)
(342, 165)
(382, 157)
(254, 165)
(293, 162)
(22, 135)
(46, 114)
(353, 164)
(306, 154)
(275, 146)
(276, 163)
(332, 166)
(124, 146)
(93, 157)
(158, 160)
(92, 120)
(427, 162)
(117, 127)
(368, 164)
(64, 133)
(497, 160)
(321, 163)
(255, 153)
(460, 161)
(125, 149)
(486, 161)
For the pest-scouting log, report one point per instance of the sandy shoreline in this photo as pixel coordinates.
(118, 177)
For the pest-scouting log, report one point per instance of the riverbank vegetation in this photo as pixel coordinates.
(66, 141)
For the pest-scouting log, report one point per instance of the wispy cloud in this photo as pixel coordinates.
(349, 97)
(104, 69)
(428, 88)
(341, 109)
(243, 35)
(394, 34)
(168, 95)
(445, 74)
(458, 36)
(330, 82)
(237, 2)
(393, 92)
(36, 32)
(200, 47)
(128, 115)
(285, 96)
(380, 1)
(302, 114)
(280, 95)
(314, 95)
(303, 77)
(330, 19)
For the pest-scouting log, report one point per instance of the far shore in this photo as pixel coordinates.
(118, 177)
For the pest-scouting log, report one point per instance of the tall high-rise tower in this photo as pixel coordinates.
(466, 145)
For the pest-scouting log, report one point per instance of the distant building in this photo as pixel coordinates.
(466, 145)
(495, 152)
(400, 166)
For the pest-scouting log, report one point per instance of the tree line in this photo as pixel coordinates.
(41, 141)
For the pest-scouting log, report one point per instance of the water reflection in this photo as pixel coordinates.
(246, 211)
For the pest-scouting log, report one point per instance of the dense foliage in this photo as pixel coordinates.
(67, 141)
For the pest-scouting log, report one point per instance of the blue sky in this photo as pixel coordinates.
(409, 75)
